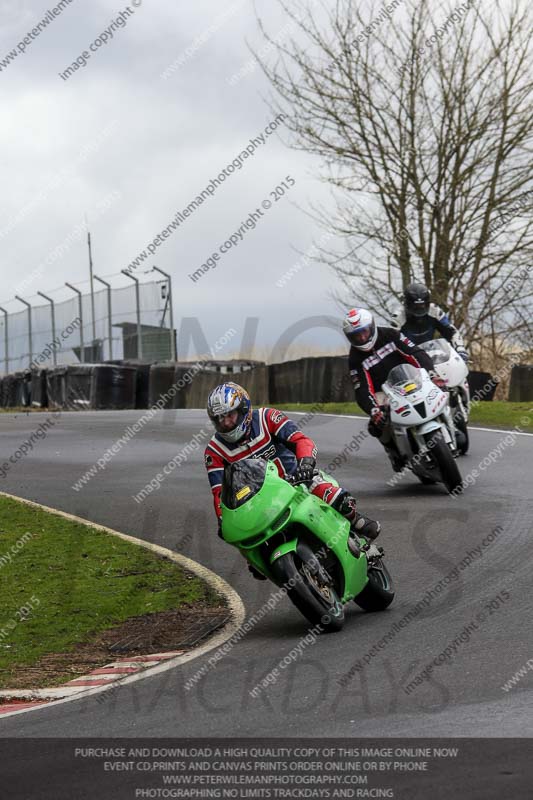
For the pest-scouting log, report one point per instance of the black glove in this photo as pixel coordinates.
(379, 418)
(305, 469)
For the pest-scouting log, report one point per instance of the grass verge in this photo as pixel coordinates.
(63, 584)
(497, 413)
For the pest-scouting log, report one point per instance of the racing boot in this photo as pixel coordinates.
(369, 528)
(359, 525)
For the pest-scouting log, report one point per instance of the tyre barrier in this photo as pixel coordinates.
(194, 385)
(310, 380)
(69, 387)
(521, 385)
(55, 387)
(126, 384)
(187, 384)
(91, 387)
(142, 383)
(161, 378)
(482, 385)
(39, 394)
(24, 389)
(113, 387)
(13, 389)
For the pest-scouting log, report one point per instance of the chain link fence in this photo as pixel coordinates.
(57, 334)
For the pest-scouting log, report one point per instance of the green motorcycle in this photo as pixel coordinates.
(301, 544)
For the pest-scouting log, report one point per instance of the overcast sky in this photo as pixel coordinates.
(130, 148)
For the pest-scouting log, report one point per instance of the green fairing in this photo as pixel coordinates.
(264, 514)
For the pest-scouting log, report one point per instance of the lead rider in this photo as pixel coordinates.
(243, 432)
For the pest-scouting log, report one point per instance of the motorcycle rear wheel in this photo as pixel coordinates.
(378, 594)
(465, 443)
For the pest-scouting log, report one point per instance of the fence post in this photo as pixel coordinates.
(171, 314)
(109, 322)
(6, 339)
(138, 306)
(80, 314)
(53, 313)
(29, 325)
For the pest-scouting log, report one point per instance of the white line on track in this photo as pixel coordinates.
(365, 419)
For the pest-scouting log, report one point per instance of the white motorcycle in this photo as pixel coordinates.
(422, 425)
(451, 368)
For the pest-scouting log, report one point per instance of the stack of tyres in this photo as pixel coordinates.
(25, 389)
(322, 379)
(193, 385)
(14, 388)
(56, 387)
(82, 387)
(142, 384)
(161, 380)
(39, 395)
(19, 390)
(10, 391)
(482, 385)
(78, 385)
(521, 386)
(183, 378)
(112, 387)
(142, 389)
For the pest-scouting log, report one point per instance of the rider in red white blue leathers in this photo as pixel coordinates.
(268, 433)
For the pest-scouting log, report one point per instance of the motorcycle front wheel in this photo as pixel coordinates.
(315, 598)
(444, 460)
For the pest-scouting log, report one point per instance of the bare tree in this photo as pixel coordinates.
(424, 128)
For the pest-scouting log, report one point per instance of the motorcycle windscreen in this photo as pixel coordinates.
(405, 377)
(242, 481)
(438, 349)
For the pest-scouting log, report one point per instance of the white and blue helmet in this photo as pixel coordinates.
(224, 399)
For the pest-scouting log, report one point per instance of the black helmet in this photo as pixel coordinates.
(416, 300)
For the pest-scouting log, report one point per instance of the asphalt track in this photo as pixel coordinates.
(426, 534)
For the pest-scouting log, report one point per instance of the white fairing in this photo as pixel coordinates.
(452, 369)
(417, 406)
(447, 363)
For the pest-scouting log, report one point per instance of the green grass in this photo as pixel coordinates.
(498, 413)
(75, 582)
(502, 414)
